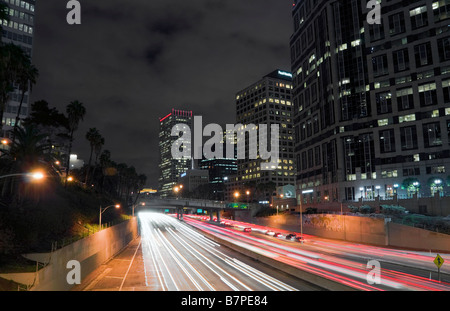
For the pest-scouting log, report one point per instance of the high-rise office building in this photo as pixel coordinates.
(267, 101)
(371, 102)
(172, 168)
(220, 170)
(19, 30)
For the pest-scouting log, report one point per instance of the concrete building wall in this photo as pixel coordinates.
(90, 252)
(355, 229)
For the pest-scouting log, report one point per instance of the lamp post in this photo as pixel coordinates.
(416, 187)
(177, 190)
(437, 184)
(396, 192)
(102, 210)
(301, 219)
(33, 175)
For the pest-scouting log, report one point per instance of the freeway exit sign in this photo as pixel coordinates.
(439, 261)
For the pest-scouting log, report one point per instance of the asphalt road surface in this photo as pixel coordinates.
(171, 256)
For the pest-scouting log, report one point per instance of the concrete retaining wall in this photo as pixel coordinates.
(416, 238)
(373, 231)
(90, 252)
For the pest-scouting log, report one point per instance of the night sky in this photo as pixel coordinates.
(130, 62)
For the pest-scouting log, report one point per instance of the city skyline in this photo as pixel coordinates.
(144, 163)
(123, 63)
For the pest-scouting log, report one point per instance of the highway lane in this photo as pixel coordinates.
(179, 258)
(340, 261)
(417, 262)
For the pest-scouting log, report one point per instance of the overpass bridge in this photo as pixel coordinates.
(181, 205)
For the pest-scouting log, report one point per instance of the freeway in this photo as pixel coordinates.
(178, 258)
(346, 263)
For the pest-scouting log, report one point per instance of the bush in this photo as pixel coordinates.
(366, 209)
(393, 209)
(353, 209)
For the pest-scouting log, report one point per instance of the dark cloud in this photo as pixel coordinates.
(132, 62)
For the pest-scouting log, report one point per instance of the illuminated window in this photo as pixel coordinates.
(383, 122)
(407, 118)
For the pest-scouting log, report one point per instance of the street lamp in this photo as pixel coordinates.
(301, 219)
(248, 194)
(416, 185)
(378, 190)
(34, 176)
(4, 144)
(437, 184)
(236, 195)
(177, 189)
(102, 210)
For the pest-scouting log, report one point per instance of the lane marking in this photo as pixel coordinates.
(129, 267)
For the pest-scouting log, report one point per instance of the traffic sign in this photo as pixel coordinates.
(439, 261)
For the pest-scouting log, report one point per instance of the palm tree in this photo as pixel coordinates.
(97, 149)
(30, 147)
(28, 151)
(93, 136)
(26, 79)
(75, 113)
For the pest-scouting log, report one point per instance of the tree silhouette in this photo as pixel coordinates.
(75, 113)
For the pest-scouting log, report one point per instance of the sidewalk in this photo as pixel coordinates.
(124, 272)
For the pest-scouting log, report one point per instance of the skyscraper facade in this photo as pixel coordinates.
(171, 168)
(371, 101)
(267, 101)
(19, 30)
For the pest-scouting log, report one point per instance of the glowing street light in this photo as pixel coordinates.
(34, 176)
(102, 210)
(37, 175)
(236, 195)
(177, 189)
